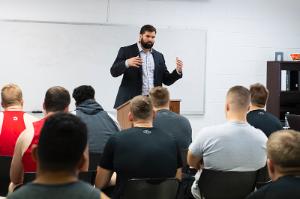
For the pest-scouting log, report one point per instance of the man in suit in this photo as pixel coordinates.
(142, 67)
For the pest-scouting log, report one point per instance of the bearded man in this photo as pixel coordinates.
(142, 67)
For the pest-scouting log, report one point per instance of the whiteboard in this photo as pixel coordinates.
(38, 55)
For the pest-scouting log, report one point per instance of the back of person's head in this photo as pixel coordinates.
(159, 96)
(141, 108)
(11, 94)
(147, 28)
(57, 98)
(82, 93)
(62, 142)
(238, 98)
(259, 95)
(283, 149)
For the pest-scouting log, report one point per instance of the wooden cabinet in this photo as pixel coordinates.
(283, 80)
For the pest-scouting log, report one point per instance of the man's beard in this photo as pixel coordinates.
(146, 45)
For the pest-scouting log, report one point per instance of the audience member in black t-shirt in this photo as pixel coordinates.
(257, 116)
(139, 152)
(283, 165)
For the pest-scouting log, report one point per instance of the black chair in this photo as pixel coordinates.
(150, 189)
(226, 184)
(88, 176)
(29, 177)
(5, 162)
(294, 121)
(94, 159)
(262, 177)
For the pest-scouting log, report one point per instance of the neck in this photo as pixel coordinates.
(161, 108)
(14, 108)
(254, 107)
(142, 123)
(57, 177)
(236, 117)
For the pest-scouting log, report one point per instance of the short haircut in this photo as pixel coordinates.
(259, 95)
(82, 93)
(62, 142)
(284, 149)
(147, 28)
(11, 94)
(159, 96)
(239, 98)
(57, 98)
(141, 107)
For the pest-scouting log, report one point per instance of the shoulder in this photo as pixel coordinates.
(129, 47)
(157, 52)
(257, 133)
(88, 188)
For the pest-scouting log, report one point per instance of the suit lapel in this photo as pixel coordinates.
(156, 61)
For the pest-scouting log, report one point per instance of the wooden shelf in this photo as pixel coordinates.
(280, 102)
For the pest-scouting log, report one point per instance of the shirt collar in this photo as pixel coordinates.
(141, 49)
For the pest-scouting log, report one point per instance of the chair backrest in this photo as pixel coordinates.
(29, 177)
(88, 176)
(294, 121)
(226, 184)
(150, 188)
(5, 162)
(94, 159)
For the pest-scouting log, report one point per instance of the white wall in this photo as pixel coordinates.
(242, 35)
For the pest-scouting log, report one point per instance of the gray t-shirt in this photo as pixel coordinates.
(75, 190)
(232, 146)
(175, 125)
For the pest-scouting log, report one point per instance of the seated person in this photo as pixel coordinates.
(257, 116)
(13, 120)
(283, 162)
(61, 152)
(139, 152)
(56, 99)
(232, 146)
(174, 124)
(100, 125)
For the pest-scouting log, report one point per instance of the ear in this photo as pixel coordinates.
(44, 107)
(140, 37)
(34, 153)
(2, 105)
(130, 117)
(227, 107)
(66, 110)
(22, 102)
(84, 160)
(153, 114)
(271, 169)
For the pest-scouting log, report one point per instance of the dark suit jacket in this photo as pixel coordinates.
(132, 81)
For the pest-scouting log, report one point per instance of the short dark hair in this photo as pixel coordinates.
(239, 97)
(147, 28)
(284, 149)
(57, 98)
(82, 93)
(141, 107)
(259, 95)
(62, 142)
(159, 96)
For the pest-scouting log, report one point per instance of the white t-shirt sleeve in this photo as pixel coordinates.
(197, 146)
